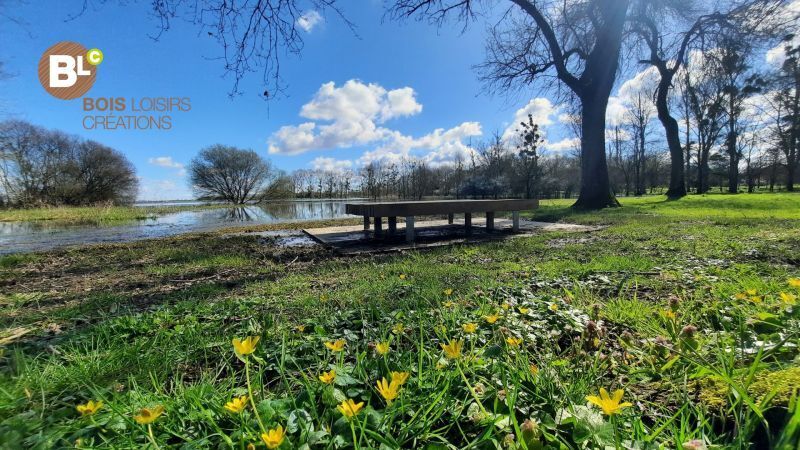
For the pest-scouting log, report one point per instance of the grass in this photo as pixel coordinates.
(93, 214)
(150, 323)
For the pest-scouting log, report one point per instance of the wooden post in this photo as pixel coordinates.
(410, 229)
(468, 224)
(489, 220)
(366, 223)
(378, 227)
(450, 218)
(392, 225)
(515, 221)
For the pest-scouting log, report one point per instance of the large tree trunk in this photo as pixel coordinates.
(595, 190)
(677, 180)
(733, 164)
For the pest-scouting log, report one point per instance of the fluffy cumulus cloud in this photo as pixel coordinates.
(356, 114)
(330, 164)
(309, 20)
(168, 162)
(540, 108)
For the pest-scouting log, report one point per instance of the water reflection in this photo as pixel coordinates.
(30, 236)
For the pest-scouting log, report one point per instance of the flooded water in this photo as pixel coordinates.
(18, 237)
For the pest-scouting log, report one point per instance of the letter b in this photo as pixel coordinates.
(62, 65)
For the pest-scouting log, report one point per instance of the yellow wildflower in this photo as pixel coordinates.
(398, 329)
(751, 292)
(506, 306)
(400, 377)
(668, 314)
(453, 349)
(382, 348)
(789, 299)
(149, 415)
(300, 328)
(533, 369)
(274, 437)
(469, 328)
(237, 405)
(523, 310)
(449, 304)
(89, 408)
(609, 405)
(323, 298)
(389, 391)
(553, 307)
(327, 377)
(246, 346)
(349, 408)
(794, 282)
(402, 276)
(740, 296)
(448, 292)
(513, 341)
(492, 318)
(335, 346)
(755, 299)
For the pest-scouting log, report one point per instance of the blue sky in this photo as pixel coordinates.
(396, 90)
(434, 63)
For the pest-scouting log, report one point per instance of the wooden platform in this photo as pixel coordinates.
(353, 239)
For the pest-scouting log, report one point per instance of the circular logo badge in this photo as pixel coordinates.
(67, 70)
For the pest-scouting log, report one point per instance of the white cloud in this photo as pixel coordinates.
(309, 20)
(563, 145)
(355, 114)
(330, 164)
(168, 162)
(540, 108)
(162, 189)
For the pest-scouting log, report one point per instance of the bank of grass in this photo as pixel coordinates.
(93, 214)
(686, 306)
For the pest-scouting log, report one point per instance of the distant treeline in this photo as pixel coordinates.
(46, 167)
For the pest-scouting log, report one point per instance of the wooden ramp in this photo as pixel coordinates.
(352, 239)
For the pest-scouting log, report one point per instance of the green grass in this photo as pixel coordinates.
(92, 214)
(150, 323)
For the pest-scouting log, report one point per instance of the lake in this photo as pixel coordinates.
(16, 237)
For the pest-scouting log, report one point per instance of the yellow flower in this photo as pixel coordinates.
(148, 415)
(335, 346)
(246, 346)
(506, 305)
(398, 329)
(400, 377)
(328, 377)
(490, 319)
(755, 299)
(389, 391)
(323, 298)
(448, 292)
(402, 276)
(740, 296)
(382, 348)
(274, 437)
(667, 314)
(89, 408)
(533, 369)
(523, 310)
(449, 304)
(237, 405)
(349, 408)
(794, 282)
(789, 299)
(609, 405)
(453, 349)
(751, 292)
(513, 341)
(300, 328)
(553, 307)
(469, 328)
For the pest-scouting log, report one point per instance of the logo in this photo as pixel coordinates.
(67, 70)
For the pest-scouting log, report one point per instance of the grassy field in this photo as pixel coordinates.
(92, 214)
(689, 308)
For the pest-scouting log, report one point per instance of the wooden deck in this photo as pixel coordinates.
(392, 210)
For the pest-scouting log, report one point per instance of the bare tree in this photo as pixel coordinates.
(231, 174)
(578, 43)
